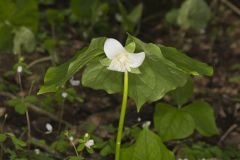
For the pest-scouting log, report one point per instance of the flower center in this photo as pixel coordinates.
(122, 60)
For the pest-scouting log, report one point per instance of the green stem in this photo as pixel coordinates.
(75, 149)
(122, 116)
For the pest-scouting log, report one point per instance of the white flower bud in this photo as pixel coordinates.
(71, 138)
(19, 69)
(86, 135)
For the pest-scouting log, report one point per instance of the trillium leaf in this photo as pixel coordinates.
(186, 63)
(97, 76)
(172, 123)
(156, 79)
(158, 76)
(148, 146)
(203, 116)
(57, 76)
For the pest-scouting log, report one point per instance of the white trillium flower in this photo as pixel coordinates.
(121, 59)
(49, 128)
(89, 143)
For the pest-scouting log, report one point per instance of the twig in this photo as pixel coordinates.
(230, 129)
(37, 109)
(39, 61)
(151, 17)
(231, 6)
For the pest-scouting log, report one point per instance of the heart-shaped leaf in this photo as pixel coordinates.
(203, 116)
(172, 123)
(148, 146)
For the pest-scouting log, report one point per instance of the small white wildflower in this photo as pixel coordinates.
(64, 94)
(118, 17)
(139, 119)
(49, 128)
(146, 124)
(37, 151)
(5, 116)
(71, 138)
(74, 82)
(121, 59)
(89, 143)
(19, 69)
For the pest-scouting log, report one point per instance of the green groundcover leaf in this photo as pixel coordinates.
(5, 37)
(156, 76)
(130, 20)
(15, 14)
(181, 95)
(194, 14)
(203, 116)
(23, 40)
(20, 13)
(172, 123)
(3, 137)
(148, 146)
(176, 123)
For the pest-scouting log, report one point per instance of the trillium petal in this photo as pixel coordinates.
(136, 59)
(113, 47)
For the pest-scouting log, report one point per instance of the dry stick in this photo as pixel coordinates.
(39, 61)
(230, 129)
(231, 6)
(37, 109)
